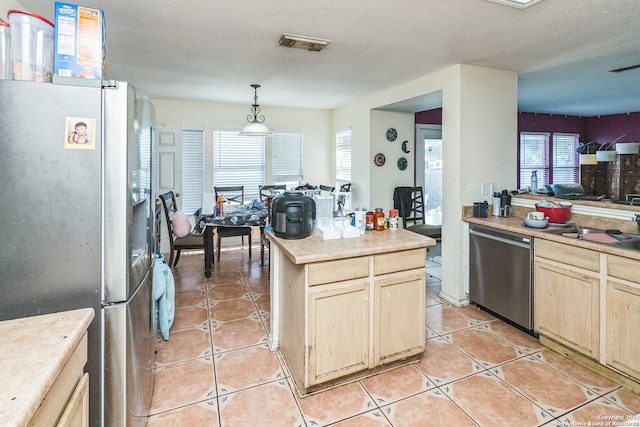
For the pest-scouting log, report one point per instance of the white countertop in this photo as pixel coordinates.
(33, 351)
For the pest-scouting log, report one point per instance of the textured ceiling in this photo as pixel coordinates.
(212, 50)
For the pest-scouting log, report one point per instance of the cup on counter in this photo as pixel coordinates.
(539, 216)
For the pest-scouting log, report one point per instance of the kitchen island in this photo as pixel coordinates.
(42, 362)
(346, 308)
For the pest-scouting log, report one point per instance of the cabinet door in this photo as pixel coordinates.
(623, 318)
(338, 331)
(566, 307)
(399, 317)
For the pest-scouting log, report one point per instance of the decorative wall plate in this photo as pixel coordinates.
(404, 147)
(402, 163)
(379, 159)
(392, 134)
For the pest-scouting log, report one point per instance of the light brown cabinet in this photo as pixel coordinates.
(344, 317)
(623, 316)
(67, 402)
(567, 307)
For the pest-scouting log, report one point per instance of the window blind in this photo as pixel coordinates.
(287, 157)
(238, 160)
(534, 156)
(565, 158)
(343, 156)
(192, 169)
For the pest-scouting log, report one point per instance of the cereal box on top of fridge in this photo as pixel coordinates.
(80, 49)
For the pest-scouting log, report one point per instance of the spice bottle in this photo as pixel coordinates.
(393, 219)
(369, 223)
(379, 220)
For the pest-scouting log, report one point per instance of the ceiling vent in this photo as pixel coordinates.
(303, 42)
(518, 4)
(619, 70)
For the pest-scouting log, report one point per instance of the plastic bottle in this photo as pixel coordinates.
(220, 206)
(534, 181)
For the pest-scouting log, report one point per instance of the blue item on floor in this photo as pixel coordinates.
(163, 295)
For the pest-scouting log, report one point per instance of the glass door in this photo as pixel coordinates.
(429, 170)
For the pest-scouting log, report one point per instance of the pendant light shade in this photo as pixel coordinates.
(255, 119)
(588, 159)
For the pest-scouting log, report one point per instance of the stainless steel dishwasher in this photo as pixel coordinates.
(500, 273)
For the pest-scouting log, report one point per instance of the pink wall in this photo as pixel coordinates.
(599, 129)
(608, 128)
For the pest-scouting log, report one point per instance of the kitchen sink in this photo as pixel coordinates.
(597, 235)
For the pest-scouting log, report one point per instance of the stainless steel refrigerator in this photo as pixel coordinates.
(76, 227)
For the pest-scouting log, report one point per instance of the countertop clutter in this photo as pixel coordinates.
(33, 353)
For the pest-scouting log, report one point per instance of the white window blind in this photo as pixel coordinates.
(287, 157)
(343, 156)
(238, 160)
(192, 169)
(565, 158)
(534, 156)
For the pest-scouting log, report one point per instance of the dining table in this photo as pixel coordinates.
(254, 214)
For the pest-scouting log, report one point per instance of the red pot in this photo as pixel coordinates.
(556, 215)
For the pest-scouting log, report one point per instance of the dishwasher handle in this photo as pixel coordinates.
(511, 239)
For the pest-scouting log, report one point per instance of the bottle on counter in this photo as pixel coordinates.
(379, 220)
(534, 182)
(393, 219)
(369, 221)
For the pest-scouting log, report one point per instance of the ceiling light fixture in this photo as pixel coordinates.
(518, 4)
(255, 119)
(303, 42)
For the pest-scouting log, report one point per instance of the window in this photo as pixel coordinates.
(565, 158)
(555, 162)
(287, 158)
(343, 156)
(238, 160)
(192, 169)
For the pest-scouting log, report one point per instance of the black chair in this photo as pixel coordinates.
(266, 194)
(177, 244)
(233, 194)
(410, 203)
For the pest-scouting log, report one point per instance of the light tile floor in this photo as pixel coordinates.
(216, 369)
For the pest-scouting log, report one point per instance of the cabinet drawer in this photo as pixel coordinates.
(338, 270)
(399, 261)
(623, 268)
(567, 254)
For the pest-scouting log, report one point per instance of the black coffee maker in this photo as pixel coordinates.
(505, 204)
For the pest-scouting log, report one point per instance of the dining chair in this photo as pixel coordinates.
(234, 194)
(266, 198)
(410, 203)
(177, 244)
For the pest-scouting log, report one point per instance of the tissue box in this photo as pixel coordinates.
(79, 49)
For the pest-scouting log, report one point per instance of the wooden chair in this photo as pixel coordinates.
(266, 198)
(410, 202)
(177, 244)
(233, 194)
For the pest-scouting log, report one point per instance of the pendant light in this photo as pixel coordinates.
(255, 119)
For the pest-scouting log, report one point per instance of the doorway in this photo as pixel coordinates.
(429, 170)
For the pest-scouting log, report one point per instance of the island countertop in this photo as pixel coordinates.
(316, 249)
(33, 351)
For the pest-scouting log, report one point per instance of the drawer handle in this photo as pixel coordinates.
(388, 295)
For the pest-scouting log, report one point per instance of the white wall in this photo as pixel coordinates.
(385, 178)
(479, 133)
(314, 124)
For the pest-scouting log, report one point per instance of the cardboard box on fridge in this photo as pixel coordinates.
(80, 49)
